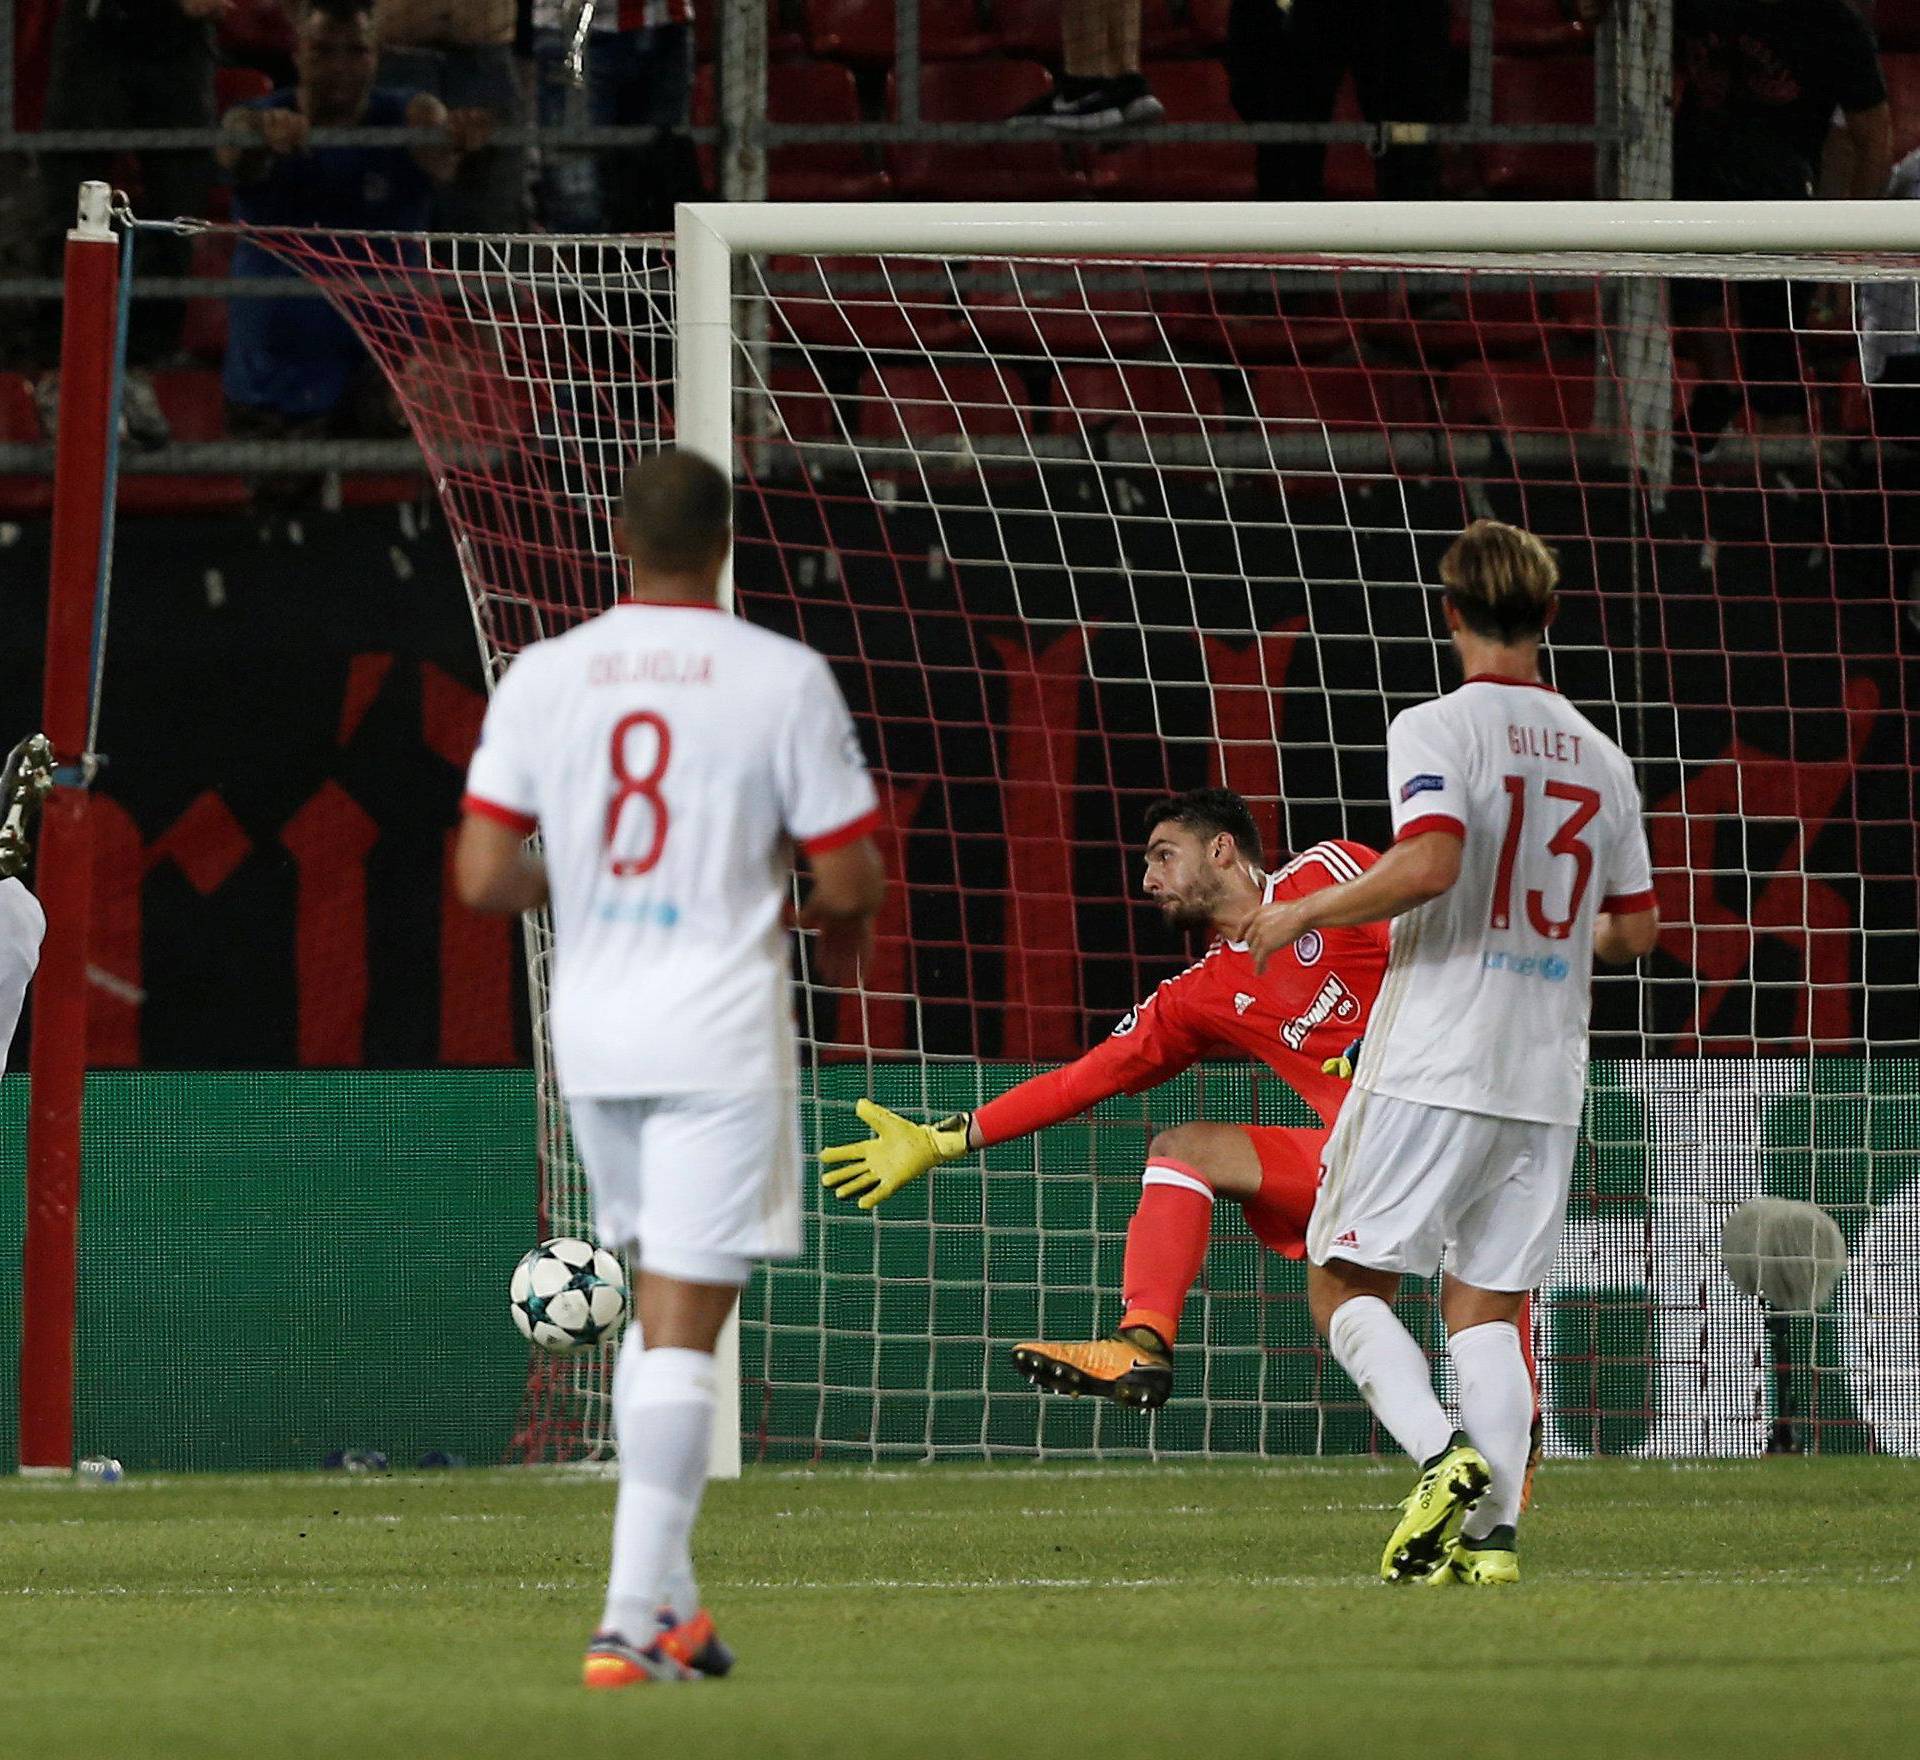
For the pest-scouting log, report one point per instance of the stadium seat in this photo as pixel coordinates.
(1181, 28)
(1505, 321)
(257, 33)
(1138, 399)
(22, 494)
(1902, 74)
(1897, 24)
(1350, 396)
(1522, 397)
(1251, 325)
(204, 332)
(196, 410)
(1059, 311)
(804, 92)
(1527, 27)
(1193, 91)
(237, 85)
(926, 402)
(805, 409)
(982, 91)
(1556, 89)
(1349, 173)
(786, 30)
(861, 31)
(860, 306)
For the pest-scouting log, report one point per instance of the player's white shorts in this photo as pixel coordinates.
(23, 926)
(1401, 1182)
(694, 1186)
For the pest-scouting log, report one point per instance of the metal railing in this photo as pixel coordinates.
(1630, 134)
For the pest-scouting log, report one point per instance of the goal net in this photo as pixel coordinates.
(1088, 505)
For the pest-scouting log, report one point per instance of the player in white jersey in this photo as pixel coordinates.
(1519, 858)
(25, 781)
(671, 757)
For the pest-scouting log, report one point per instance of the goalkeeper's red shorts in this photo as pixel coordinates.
(1289, 1179)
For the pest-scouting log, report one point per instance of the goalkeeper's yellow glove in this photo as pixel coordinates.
(897, 1154)
(1342, 1066)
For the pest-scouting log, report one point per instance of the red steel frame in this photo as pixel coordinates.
(63, 879)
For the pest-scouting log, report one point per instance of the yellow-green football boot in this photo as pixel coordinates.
(1487, 1563)
(1452, 1482)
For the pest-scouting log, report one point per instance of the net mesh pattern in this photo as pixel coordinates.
(1076, 533)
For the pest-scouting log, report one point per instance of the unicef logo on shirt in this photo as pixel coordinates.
(1309, 948)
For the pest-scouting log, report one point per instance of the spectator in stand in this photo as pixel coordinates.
(461, 51)
(130, 64)
(638, 71)
(294, 367)
(1101, 86)
(1285, 63)
(1760, 81)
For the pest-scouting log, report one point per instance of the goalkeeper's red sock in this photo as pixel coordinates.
(1166, 1245)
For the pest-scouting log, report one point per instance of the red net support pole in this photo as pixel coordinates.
(64, 875)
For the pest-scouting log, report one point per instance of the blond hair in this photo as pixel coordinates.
(1501, 580)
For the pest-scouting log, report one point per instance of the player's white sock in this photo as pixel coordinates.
(1496, 1410)
(1391, 1371)
(681, 1591)
(664, 1413)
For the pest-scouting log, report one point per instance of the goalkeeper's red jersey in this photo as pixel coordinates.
(1310, 1004)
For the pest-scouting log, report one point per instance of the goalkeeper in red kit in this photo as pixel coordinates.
(1300, 1018)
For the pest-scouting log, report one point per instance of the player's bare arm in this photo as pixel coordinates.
(1621, 937)
(849, 887)
(494, 871)
(1407, 876)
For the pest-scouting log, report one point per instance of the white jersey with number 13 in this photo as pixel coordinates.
(669, 754)
(1485, 1002)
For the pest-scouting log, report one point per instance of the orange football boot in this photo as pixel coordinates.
(1132, 1368)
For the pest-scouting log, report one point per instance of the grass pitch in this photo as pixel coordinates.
(1770, 1608)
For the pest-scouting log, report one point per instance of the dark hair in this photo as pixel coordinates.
(1209, 810)
(1501, 580)
(336, 11)
(678, 511)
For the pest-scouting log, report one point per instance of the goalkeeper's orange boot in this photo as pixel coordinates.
(1132, 1368)
(613, 1662)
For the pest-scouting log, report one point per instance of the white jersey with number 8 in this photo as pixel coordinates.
(669, 755)
(1488, 988)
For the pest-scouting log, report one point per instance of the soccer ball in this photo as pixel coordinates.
(567, 1295)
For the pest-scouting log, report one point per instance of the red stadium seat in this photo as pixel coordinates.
(1248, 325)
(21, 495)
(899, 403)
(1193, 91)
(786, 30)
(1342, 396)
(1523, 398)
(204, 332)
(236, 85)
(1557, 89)
(804, 92)
(1170, 28)
(1349, 175)
(1138, 399)
(1902, 74)
(195, 409)
(860, 306)
(1060, 311)
(1508, 321)
(982, 91)
(862, 30)
(1897, 24)
(1527, 27)
(805, 409)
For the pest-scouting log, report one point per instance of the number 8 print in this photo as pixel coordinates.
(628, 786)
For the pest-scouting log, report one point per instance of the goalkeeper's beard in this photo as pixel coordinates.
(1197, 911)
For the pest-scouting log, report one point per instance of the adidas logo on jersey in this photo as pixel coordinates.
(1346, 1238)
(1242, 1002)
